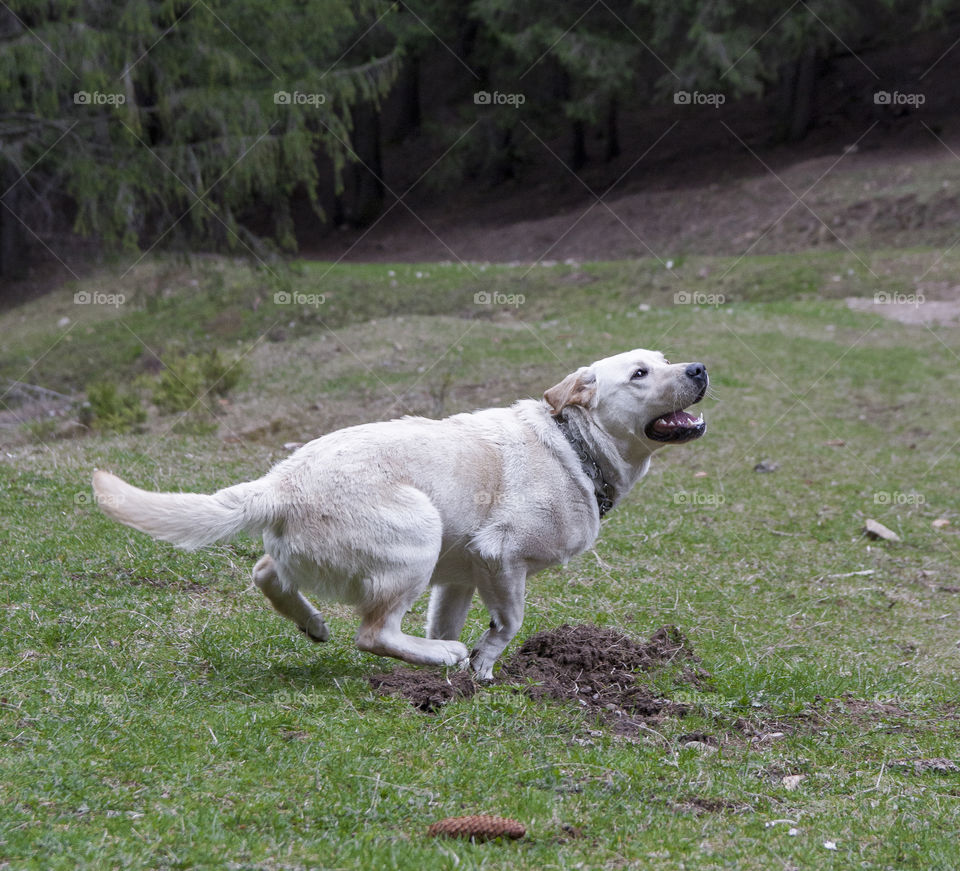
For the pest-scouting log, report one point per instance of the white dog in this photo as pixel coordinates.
(374, 514)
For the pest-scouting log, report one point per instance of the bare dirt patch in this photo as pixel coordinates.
(176, 584)
(597, 669)
(700, 804)
(871, 711)
(938, 765)
(912, 311)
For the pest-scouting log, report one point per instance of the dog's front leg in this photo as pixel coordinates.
(504, 598)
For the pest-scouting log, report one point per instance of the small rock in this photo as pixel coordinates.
(940, 522)
(830, 845)
(792, 781)
(766, 466)
(875, 529)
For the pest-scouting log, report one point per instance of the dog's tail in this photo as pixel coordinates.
(188, 520)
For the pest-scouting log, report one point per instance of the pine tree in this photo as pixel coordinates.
(158, 122)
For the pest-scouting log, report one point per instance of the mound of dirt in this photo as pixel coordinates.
(598, 669)
(426, 691)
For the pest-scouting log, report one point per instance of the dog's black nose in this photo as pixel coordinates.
(697, 371)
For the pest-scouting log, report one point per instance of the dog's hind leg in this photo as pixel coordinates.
(380, 633)
(407, 549)
(292, 604)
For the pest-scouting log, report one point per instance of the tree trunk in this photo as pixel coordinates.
(578, 129)
(613, 134)
(13, 260)
(408, 87)
(796, 96)
(578, 145)
(368, 169)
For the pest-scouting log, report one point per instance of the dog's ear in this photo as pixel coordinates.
(578, 388)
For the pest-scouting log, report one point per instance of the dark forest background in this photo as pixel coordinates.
(260, 127)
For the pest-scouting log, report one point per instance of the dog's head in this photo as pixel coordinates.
(638, 396)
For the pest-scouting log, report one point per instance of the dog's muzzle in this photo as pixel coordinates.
(680, 425)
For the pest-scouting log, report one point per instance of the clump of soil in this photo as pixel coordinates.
(426, 691)
(598, 669)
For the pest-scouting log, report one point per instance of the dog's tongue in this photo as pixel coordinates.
(670, 422)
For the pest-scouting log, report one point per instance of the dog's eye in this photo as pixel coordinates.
(640, 373)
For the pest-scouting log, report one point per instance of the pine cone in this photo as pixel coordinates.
(479, 827)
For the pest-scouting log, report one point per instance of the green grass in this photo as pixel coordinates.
(154, 713)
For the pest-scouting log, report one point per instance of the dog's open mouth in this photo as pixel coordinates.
(677, 426)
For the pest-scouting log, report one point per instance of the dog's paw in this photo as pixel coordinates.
(316, 629)
(482, 666)
(454, 653)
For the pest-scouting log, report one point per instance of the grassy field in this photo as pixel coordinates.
(154, 713)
